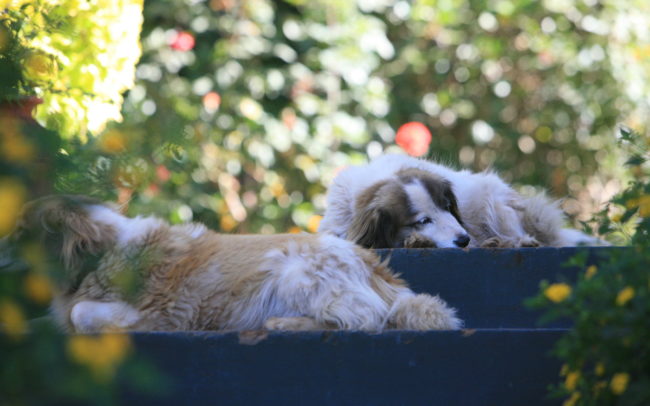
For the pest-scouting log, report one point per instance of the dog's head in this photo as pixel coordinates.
(414, 209)
(62, 225)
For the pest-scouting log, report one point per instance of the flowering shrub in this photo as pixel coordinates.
(42, 366)
(79, 57)
(67, 53)
(607, 352)
(253, 107)
(414, 138)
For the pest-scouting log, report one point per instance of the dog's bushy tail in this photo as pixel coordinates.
(543, 219)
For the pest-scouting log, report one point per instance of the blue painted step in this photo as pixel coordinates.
(488, 286)
(482, 367)
(501, 359)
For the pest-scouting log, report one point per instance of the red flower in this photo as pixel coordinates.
(162, 173)
(211, 101)
(414, 138)
(182, 41)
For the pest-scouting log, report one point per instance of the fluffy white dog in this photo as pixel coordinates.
(400, 201)
(144, 274)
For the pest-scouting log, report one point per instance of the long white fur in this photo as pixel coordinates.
(328, 282)
(91, 316)
(128, 229)
(482, 197)
(445, 229)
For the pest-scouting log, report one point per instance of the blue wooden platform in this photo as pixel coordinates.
(487, 286)
(481, 367)
(501, 358)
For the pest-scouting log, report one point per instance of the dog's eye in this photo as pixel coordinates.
(423, 221)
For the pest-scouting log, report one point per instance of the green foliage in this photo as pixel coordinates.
(42, 366)
(607, 352)
(242, 113)
(78, 56)
(48, 49)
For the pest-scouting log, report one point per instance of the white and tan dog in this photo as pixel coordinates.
(400, 201)
(144, 274)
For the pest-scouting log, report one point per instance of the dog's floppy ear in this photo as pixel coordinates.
(66, 230)
(376, 222)
(373, 227)
(453, 204)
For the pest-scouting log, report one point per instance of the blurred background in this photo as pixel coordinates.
(242, 112)
(239, 114)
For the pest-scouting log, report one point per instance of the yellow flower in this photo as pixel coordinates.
(644, 206)
(295, 230)
(625, 295)
(227, 223)
(14, 146)
(599, 369)
(38, 288)
(12, 320)
(616, 217)
(39, 67)
(313, 223)
(102, 354)
(571, 380)
(591, 271)
(113, 142)
(643, 203)
(17, 148)
(277, 189)
(619, 382)
(81, 348)
(557, 292)
(572, 400)
(12, 197)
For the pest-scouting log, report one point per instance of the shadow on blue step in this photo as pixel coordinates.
(479, 367)
(487, 286)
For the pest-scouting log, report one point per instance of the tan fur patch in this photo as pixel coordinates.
(381, 210)
(170, 278)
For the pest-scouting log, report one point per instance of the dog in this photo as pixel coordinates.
(398, 201)
(143, 274)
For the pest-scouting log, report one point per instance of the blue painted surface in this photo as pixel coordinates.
(503, 360)
(483, 367)
(488, 287)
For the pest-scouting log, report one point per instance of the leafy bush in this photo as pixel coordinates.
(243, 112)
(67, 53)
(607, 352)
(79, 57)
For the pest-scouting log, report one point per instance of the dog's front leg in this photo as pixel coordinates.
(91, 317)
(412, 311)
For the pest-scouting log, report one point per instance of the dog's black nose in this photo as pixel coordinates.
(462, 240)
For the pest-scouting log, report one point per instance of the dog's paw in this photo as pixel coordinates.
(497, 242)
(418, 241)
(91, 317)
(529, 242)
(424, 312)
(292, 324)
(493, 242)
